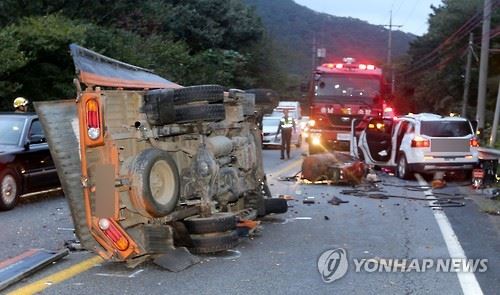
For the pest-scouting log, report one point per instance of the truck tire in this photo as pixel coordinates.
(197, 112)
(218, 222)
(155, 183)
(214, 242)
(276, 206)
(159, 106)
(208, 93)
(9, 189)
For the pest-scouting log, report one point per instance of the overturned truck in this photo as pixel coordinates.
(148, 166)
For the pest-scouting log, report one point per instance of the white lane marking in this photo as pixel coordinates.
(467, 280)
(117, 275)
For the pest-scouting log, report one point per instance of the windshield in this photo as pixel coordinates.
(270, 121)
(279, 113)
(10, 130)
(348, 85)
(445, 128)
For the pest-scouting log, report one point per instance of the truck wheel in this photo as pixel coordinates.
(9, 189)
(214, 242)
(203, 112)
(402, 168)
(155, 182)
(218, 222)
(276, 206)
(208, 93)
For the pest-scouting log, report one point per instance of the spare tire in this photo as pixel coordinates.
(159, 106)
(154, 183)
(208, 93)
(214, 242)
(218, 222)
(199, 112)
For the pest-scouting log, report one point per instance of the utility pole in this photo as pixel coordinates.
(470, 48)
(389, 51)
(483, 67)
(494, 128)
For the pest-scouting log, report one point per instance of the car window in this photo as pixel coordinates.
(279, 113)
(270, 122)
(445, 128)
(36, 132)
(36, 128)
(11, 129)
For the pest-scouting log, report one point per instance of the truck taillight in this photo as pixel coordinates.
(93, 119)
(420, 142)
(474, 142)
(109, 229)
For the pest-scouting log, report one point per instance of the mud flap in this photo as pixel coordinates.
(57, 119)
(176, 260)
(25, 264)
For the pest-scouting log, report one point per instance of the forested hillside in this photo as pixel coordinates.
(293, 28)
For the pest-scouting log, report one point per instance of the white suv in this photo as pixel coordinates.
(419, 143)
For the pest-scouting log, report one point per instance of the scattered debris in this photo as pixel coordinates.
(336, 167)
(17, 268)
(446, 203)
(372, 177)
(438, 183)
(286, 197)
(336, 201)
(327, 218)
(73, 245)
(309, 200)
(378, 196)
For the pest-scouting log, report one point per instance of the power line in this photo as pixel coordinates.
(466, 28)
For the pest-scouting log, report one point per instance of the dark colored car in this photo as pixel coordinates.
(25, 162)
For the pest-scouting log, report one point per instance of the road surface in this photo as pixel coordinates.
(283, 259)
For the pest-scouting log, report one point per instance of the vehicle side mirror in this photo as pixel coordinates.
(36, 138)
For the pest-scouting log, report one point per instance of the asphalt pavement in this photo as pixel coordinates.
(283, 258)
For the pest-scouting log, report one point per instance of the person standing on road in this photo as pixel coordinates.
(286, 126)
(21, 105)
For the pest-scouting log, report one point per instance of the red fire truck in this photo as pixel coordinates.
(340, 93)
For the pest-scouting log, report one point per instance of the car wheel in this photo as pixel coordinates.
(9, 189)
(155, 183)
(217, 222)
(402, 168)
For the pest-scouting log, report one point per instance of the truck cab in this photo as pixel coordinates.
(343, 92)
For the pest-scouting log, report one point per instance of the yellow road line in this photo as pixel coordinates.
(58, 277)
(286, 168)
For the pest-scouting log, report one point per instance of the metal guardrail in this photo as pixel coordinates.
(488, 153)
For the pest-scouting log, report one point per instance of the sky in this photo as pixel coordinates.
(412, 14)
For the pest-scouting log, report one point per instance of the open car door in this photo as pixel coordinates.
(375, 141)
